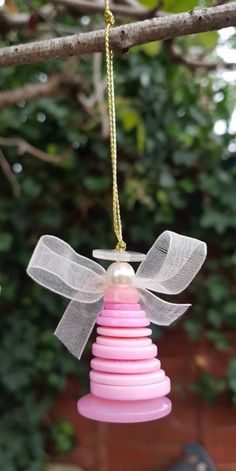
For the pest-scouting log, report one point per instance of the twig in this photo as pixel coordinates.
(122, 37)
(219, 2)
(89, 6)
(5, 166)
(30, 92)
(45, 16)
(18, 21)
(175, 54)
(99, 93)
(23, 147)
(12, 21)
(61, 82)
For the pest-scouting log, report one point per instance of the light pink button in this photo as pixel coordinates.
(123, 321)
(131, 393)
(121, 294)
(96, 408)
(125, 366)
(124, 332)
(127, 379)
(127, 342)
(122, 306)
(124, 353)
(122, 313)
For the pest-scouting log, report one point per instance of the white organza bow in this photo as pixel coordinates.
(170, 265)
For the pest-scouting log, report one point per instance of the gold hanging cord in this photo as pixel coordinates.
(117, 225)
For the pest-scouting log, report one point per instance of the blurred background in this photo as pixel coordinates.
(177, 170)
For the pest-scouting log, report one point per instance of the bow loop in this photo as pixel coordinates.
(171, 263)
(159, 311)
(76, 325)
(56, 266)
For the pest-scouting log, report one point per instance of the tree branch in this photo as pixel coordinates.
(219, 2)
(5, 166)
(23, 147)
(18, 21)
(87, 7)
(13, 21)
(177, 56)
(30, 92)
(122, 37)
(61, 82)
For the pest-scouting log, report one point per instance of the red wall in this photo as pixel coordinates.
(152, 446)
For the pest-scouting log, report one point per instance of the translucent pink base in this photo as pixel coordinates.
(106, 410)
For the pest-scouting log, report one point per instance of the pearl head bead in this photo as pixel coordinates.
(120, 273)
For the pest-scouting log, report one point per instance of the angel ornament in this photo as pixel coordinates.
(126, 380)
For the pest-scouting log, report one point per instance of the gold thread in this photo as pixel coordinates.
(117, 225)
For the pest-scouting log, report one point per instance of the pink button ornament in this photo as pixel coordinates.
(126, 380)
(132, 379)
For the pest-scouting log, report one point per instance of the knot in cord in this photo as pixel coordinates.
(109, 18)
(121, 246)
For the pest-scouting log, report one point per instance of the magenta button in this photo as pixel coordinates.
(119, 366)
(124, 353)
(131, 393)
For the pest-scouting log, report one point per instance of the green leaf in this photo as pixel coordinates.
(97, 183)
(206, 40)
(184, 157)
(31, 188)
(218, 220)
(6, 240)
(150, 49)
(129, 118)
(141, 136)
(162, 197)
(182, 5)
(219, 340)
(148, 3)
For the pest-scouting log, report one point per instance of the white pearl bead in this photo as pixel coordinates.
(120, 273)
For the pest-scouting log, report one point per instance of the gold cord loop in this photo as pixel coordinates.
(117, 225)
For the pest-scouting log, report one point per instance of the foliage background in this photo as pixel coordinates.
(175, 173)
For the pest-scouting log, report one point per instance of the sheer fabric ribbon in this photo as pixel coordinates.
(170, 265)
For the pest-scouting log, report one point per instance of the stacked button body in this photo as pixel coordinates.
(126, 380)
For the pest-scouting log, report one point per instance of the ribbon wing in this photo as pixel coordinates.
(56, 266)
(159, 311)
(76, 325)
(171, 263)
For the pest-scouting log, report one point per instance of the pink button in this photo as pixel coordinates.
(131, 393)
(124, 353)
(127, 342)
(125, 366)
(121, 294)
(122, 306)
(123, 321)
(105, 410)
(122, 313)
(124, 332)
(127, 379)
